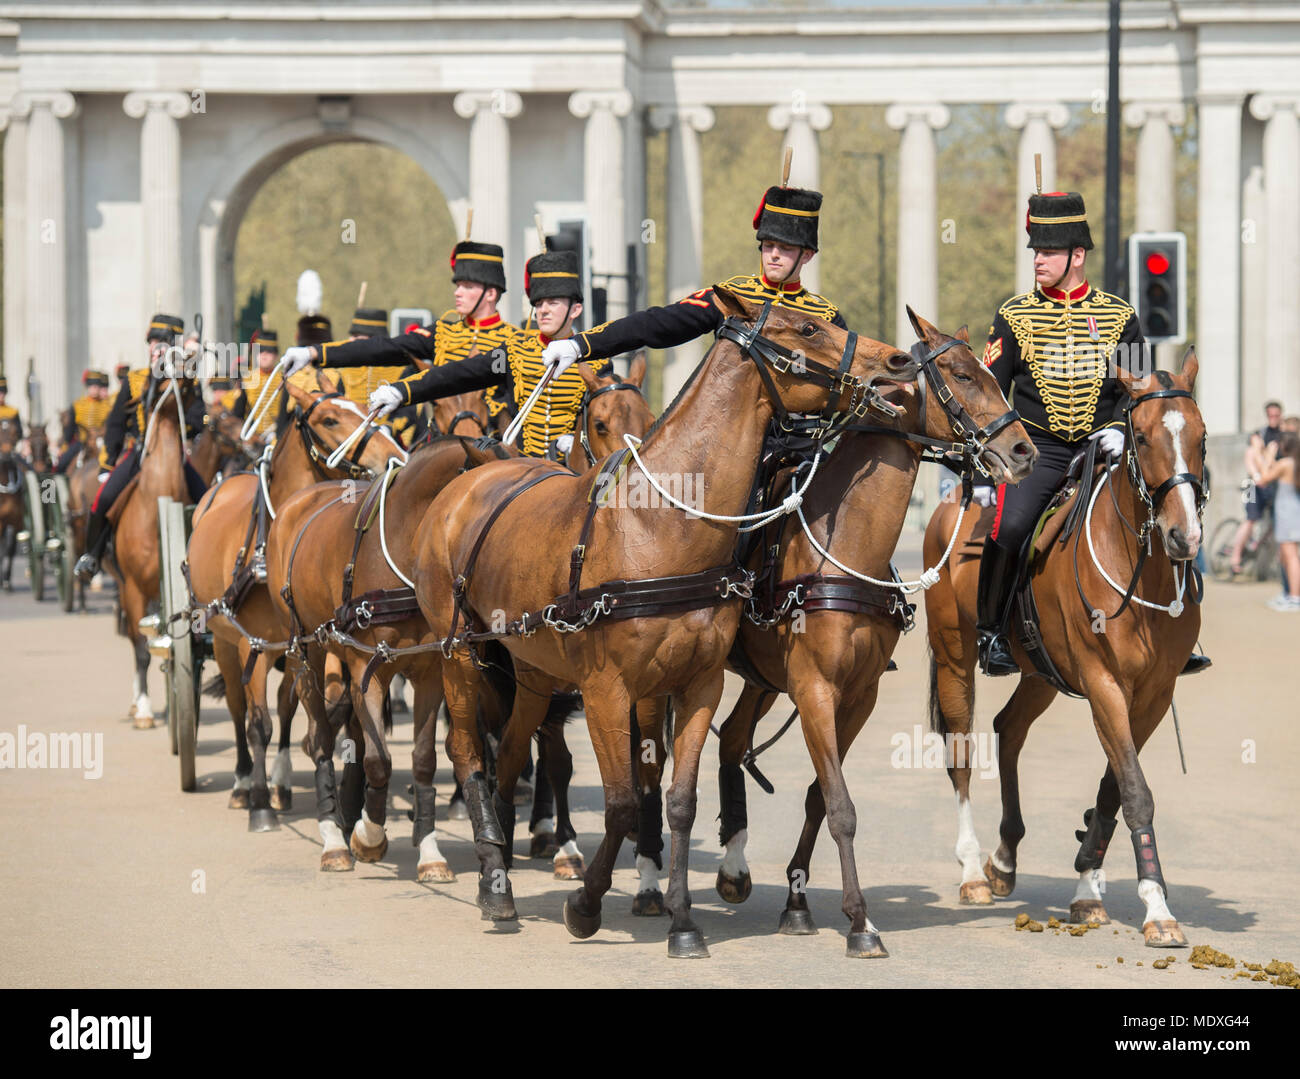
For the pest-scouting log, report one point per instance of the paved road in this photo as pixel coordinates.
(125, 881)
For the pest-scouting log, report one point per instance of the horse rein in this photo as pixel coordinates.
(318, 452)
(1153, 499)
(584, 418)
(463, 414)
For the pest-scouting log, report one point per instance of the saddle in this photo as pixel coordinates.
(116, 510)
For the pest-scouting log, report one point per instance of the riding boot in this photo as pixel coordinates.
(997, 586)
(1195, 664)
(97, 536)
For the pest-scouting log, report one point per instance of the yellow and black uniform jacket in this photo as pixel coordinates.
(9, 414)
(88, 414)
(515, 367)
(128, 416)
(696, 315)
(1057, 349)
(243, 400)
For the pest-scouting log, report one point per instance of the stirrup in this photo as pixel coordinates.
(995, 655)
(1195, 664)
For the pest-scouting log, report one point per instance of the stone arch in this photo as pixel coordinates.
(223, 207)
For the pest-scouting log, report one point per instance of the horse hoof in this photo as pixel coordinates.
(434, 873)
(543, 845)
(569, 867)
(142, 722)
(263, 820)
(797, 923)
(648, 904)
(687, 944)
(1163, 935)
(281, 798)
(866, 946)
(238, 799)
(1003, 884)
(734, 889)
(365, 853)
(497, 905)
(976, 892)
(458, 810)
(335, 860)
(523, 793)
(578, 924)
(1083, 911)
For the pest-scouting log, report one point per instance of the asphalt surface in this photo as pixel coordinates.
(123, 880)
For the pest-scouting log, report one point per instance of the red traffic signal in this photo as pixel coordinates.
(1157, 263)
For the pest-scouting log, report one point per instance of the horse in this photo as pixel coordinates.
(38, 447)
(1125, 663)
(824, 634)
(11, 501)
(135, 554)
(461, 414)
(470, 565)
(355, 587)
(223, 581)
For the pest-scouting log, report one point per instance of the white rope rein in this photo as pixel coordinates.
(264, 400)
(1173, 609)
(333, 460)
(263, 467)
(391, 465)
(517, 424)
(174, 388)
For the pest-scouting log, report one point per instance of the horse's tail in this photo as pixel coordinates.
(562, 708)
(215, 688)
(938, 723)
(498, 671)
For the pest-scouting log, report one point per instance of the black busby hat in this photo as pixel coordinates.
(165, 328)
(267, 340)
(4, 384)
(553, 273)
(314, 330)
(484, 263)
(369, 322)
(95, 378)
(788, 215)
(1057, 220)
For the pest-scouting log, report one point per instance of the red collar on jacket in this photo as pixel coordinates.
(1062, 296)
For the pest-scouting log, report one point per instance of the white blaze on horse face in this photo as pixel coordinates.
(647, 875)
(733, 861)
(1154, 897)
(1174, 423)
(968, 844)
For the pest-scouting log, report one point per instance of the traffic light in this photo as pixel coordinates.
(1157, 266)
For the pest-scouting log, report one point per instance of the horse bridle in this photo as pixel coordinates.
(1153, 499)
(318, 451)
(463, 414)
(583, 417)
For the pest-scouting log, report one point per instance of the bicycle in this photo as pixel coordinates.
(1259, 556)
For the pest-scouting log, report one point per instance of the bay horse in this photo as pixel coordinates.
(221, 555)
(11, 501)
(825, 636)
(1125, 663)
(135, 557)
(502, 542)
(358, 587)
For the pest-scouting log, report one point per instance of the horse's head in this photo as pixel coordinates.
(38, 443)
(611, 407)
(963, 404)
(1165, 451)
(462, 414)
(225, 430)
(804, 357)
(328, 419)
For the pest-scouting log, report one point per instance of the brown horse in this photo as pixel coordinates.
(1125, 662)
(825, 636)
(355, 585)
(11, 501)
(220, 556)
(135, 560)
(462, 414)
(766, 361)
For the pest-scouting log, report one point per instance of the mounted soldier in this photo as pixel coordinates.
(1057, 346)
(129, 417)
(88, 414)
(9, 414)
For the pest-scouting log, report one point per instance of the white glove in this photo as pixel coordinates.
(564, 444)
(385, 399)
(561, 355)
(296, 358)
(1112, 441)
(984, 495)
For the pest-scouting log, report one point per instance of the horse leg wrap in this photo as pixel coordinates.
(731, 795)
(543, 795)
(352, 794)
(505, 815)
(650, 828)
(327, 806)
(1148, 862)
(1094, 840)
(422, 814)
(478, 801)
(376, 804)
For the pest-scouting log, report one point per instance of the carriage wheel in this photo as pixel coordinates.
(61, 529)
(165, 613)
(185, 664)
(36, 529)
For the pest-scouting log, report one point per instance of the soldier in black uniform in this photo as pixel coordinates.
(1054, 346)
(786, 227)
(130, 416)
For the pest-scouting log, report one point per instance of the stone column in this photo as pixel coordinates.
(603, 187)
(46, 331)
(489, 164)
(801, 121)
(684, 227)
(1254, 286)
(1036, 123)
(918, 215)
(15, 255)
(1282, 247)
(1218, 262)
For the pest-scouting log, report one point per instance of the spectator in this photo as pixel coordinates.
(1261, 494)
(1281, 466)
